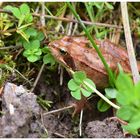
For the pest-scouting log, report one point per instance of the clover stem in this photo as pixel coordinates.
(102, 96)
(96, 91)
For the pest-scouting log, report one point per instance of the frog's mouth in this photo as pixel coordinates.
(58, 56)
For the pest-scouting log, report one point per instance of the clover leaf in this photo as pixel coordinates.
(72, 85)
(79, 76)
(48, 59)
(32, 50)
(76, 94)
(128, 97)
(78, 87)
(22, 13)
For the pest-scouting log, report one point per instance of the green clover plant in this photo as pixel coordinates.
(77, 86)
(126, 93)
(128, 97)
(24, 17)
(32, 48)
(30, 38)
(22, 13)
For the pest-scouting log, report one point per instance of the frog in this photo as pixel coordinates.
(76, 53)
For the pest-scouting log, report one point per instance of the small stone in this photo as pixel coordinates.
(26, 111)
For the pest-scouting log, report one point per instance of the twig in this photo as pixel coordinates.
(59, 135)
(59, 110)
(9, 47)
(69, 20)
(9, 31)
(43, 65)
(129, 44)
(80, 123)
(57, 30)
(63, 125)
(61, 75)
(70, 25)
(122, 122)
(38, 76)
(75, 21)
(43, 125)
(72, 106)
(22, 76)
(42, 18)
(75, 28)
(37, 9)
(18, 53)
(59, 24)
(119, 120)
(12, 69)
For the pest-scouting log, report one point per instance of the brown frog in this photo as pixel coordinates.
(76, 53)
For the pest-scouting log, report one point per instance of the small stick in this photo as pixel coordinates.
(59, 135)
(43, 125)
(9, 47)
(129, 43)
(75, 21)
(80, 123)
(12, 70)
(69, 20)
(59, 110)
(70, 25)
(75, 28)
(22, 76)
(38, 77)
(122, 122)
(119, 120)
(42, 19)
(71, 106)
(61, 75)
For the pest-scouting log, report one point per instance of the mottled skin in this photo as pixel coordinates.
(76, 53)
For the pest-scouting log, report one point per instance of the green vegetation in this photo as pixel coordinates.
(24, 48)
(77, 85)
(110, 73)
(128, 97)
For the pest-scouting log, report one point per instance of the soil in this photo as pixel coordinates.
(28, 120)
(104, 129)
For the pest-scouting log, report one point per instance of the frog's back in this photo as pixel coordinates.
(86, 59)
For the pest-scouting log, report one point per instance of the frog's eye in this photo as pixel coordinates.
(63, 51)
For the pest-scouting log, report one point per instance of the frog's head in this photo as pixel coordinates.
(64, 50)
(59, 50)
